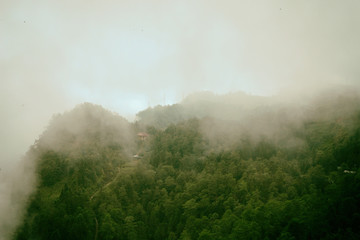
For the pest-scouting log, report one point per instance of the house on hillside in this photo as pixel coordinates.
(143, 135)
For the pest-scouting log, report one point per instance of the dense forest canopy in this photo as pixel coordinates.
(211, 167)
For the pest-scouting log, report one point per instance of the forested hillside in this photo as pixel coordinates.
(264, 172)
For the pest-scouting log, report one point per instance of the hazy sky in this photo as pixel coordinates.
(128, 55)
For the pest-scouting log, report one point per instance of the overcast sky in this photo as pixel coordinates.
(128, 55)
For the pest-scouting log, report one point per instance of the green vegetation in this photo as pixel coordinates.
(268, 176)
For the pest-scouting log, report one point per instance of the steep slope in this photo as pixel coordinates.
(279, 173)
(80, 153)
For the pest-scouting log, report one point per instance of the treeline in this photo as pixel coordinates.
(197, 179)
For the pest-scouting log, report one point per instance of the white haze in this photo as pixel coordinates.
(128, 55)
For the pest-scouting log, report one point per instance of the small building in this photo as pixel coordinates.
(142, 135)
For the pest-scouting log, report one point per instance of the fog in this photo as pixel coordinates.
(129, 55)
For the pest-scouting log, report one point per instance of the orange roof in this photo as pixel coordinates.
(142, 134)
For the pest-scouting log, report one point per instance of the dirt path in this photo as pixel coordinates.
(96, 228)
(127, 166)
(106, 185)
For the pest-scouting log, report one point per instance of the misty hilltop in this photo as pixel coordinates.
(86, 126)
(204, 104)
(232, 166)
(262, 112)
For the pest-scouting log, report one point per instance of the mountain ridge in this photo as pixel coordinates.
(273, 172)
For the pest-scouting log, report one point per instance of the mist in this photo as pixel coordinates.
(131, 55)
